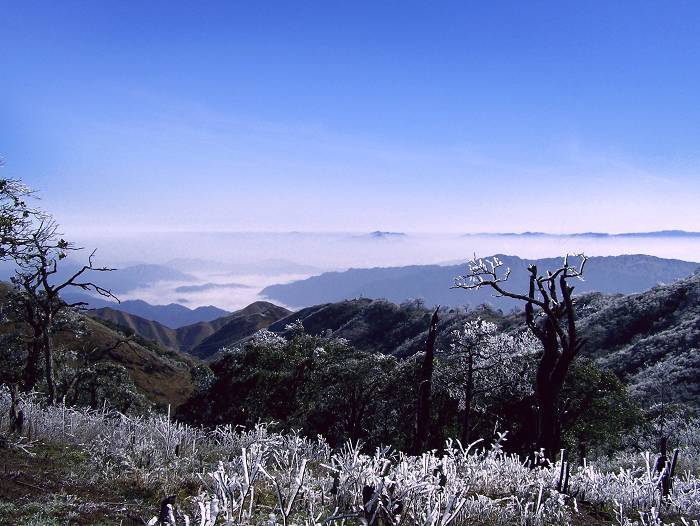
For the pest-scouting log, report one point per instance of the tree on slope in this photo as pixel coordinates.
(550, 316)
(37, 292)
(33, 310)
(482, 365)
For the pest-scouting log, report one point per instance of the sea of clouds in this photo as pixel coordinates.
(253, 261)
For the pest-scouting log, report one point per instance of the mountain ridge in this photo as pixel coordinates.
(653, 233)
(172, 315)
(240, 325)
(186, 338)
(624, 274)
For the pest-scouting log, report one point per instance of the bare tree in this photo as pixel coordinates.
(550, 315)
(29, 237)
(38, 288)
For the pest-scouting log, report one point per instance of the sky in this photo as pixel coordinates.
(354, 116)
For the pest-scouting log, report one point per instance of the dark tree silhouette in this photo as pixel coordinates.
(424, 387)
(550, 315)
(37, 290)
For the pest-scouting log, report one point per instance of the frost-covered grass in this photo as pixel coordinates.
(229, 476)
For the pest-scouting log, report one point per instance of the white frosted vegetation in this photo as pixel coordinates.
(256, 476)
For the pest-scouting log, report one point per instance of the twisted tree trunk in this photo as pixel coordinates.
(554, 326)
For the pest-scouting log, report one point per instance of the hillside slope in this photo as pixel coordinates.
(371, 325)
(172, 315)
(189, 336)
(239, 325)
(182, 339)
(149, 329)
(201, 339)
(162, 375)
(612, 274)
(651, 339)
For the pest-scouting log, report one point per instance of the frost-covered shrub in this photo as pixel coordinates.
(255, 476)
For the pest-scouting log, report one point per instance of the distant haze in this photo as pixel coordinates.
(230, 269)
(307, 252)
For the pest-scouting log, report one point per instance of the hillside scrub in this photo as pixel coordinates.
(626, 334)
(234, 476)
(324, 385)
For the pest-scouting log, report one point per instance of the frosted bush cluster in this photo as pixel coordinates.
(259, 477)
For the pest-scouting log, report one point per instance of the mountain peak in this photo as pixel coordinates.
(379, 234)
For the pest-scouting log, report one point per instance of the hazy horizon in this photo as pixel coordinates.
(238, 134)
(257, 260)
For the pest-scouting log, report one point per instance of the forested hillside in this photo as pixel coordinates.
(651, 340)
(197, 339)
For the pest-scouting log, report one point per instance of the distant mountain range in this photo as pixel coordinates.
(135, 277)
(173, 315)
(378, 234)
(202, 339)
(431, 283)
(658, 233)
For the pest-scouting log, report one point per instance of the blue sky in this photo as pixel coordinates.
(413, 116)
